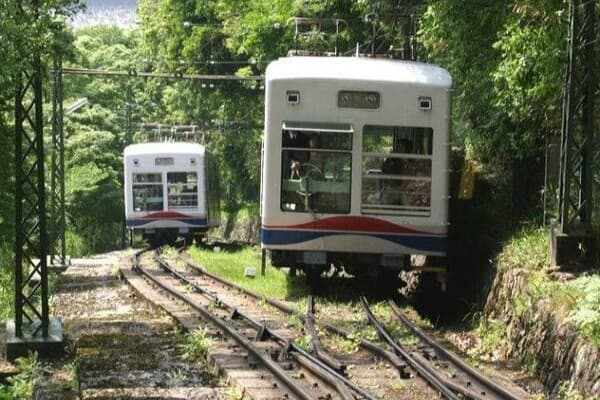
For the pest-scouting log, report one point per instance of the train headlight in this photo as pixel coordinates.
(424, 103)
(293, 97)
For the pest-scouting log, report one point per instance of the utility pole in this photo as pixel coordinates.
(572, 240)
(32, 328)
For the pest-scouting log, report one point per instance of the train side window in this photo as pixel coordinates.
(182, 189)
(147, 192)
(396, 170)
(316, 170)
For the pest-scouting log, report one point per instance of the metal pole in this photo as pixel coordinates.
(572, 240)
(41, 192)
(18, 270)
(31, 236)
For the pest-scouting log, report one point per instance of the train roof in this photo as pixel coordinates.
(164, 148)
(359, 69)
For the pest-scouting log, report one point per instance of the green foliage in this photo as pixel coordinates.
(566, 392)
(304, 341)
(94, 204)
(20, 386)
(244, 212)
(194, 37)
(526, 249)
(459, 35)
(20, 29)
(77, 246)
(576, 301)
(586, 312)
(94, 140)
(492, 333)
(196, 345)
(6, 181)
(517, 50)
(528, 78)
(6, 282)
(396, 329)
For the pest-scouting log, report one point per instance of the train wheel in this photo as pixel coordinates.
(313, 275)
(389, 280)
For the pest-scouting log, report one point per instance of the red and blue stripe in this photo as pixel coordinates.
(165, 215)
(357, 226)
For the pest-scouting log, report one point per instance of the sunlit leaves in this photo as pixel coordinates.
(507, 61)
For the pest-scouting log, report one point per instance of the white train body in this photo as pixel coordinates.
(170, 186)
(371, 183)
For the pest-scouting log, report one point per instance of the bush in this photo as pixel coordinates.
(577, 301)
(6, 282)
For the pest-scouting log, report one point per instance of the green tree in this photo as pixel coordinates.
(95, 136)
(529, 76)
(42, 31)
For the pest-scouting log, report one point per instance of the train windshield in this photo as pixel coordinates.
(147, 192)
(316, 161)
(396, 170)
(182, 188)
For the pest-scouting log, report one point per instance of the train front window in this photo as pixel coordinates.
(147, 192)
(316, 164)
(182, 188)
(396, 170)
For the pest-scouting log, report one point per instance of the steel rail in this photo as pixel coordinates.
(316, 342)
(245, 343)
(263, 331)
(340, 386)
(431, 376)
(391, 357)
(475, 375)
(365, 344)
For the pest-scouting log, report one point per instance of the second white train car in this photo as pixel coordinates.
(171, 189)
(355, 167)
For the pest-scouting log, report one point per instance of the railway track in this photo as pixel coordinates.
(268, 338)
(294, 372)
(444, 370)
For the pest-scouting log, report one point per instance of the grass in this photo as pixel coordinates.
(493, 337)
(576, 301)
(196, 345)
(245, 211)
(528, 249)
(232, 265)
(195, 348)
(21, 385)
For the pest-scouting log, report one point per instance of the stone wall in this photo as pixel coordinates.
(245, 231)
(539, 337)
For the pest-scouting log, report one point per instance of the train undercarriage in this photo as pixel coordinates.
(317, 265)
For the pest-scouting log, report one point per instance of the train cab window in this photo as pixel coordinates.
(147, 192)
(396, 170)
(182, 189)
(316, 168)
